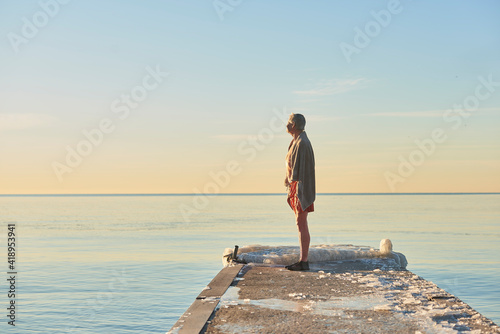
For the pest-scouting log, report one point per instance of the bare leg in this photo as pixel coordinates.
(304, 237)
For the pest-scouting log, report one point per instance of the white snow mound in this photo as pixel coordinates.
(284, 255)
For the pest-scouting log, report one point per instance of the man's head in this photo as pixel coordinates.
(296, 122)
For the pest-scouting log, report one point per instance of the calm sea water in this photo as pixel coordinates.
(132, 264)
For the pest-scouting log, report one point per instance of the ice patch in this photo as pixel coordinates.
(284, 255)
(331, 307)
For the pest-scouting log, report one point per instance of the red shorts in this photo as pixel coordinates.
(293, 200)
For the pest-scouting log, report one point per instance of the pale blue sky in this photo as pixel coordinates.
(225, 78)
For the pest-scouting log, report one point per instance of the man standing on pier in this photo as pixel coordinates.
(301, 184)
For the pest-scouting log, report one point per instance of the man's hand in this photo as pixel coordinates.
(287, 184)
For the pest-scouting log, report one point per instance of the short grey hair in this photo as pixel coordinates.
(299, 120)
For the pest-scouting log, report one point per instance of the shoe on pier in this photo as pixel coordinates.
(298, 266)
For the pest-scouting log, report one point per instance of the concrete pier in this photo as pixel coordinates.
(346, 299)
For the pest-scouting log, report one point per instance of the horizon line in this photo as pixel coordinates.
(244, 194)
